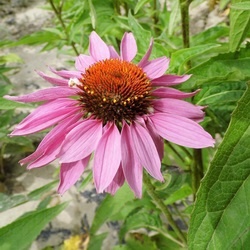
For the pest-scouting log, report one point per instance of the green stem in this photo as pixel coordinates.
(197, 171)
(58, 13)
(180, 214)
(151, 191)
(185, 22)
(175, 151)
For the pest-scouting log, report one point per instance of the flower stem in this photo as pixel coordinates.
(197, 171)
(151, 191)
(58, 13)
(185, 22)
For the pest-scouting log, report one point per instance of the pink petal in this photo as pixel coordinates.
(113, 53)
(131, 166)
(83, 62)
(46, 115)
(169, 80)
(81, 141)
(44, 95)
(166, 92)
(107, 158)
(178, 107)
(156, 67)
(66, 73)
(55, 81)
(158, 141)
(182, 131)
(116, 183)
(128, 47)
(146, 151)
(98, 48)
(144, 60)
(70, 173)
(50, 146)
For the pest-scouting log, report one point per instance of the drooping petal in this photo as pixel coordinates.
(182, 131)
(169, 80)
(166, 92)
(156, 67)
(81, 141)
(113, 53)
(146, 151)
(52, 80)
(98, 49)
(178, 107)
(117, 182)
(44, 95)
(128, 47)
(158, 141)
(49, 147)
(131, 166)
(145, 58)
(83, 62)
(107, 158)
(46, 115)
(70, 173)
(66, 73)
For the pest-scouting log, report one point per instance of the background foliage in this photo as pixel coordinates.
(215, 217)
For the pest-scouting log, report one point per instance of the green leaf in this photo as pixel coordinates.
(221, 99)
(86, 181)
(7, 104)
(174, 17)
(239, 24)
(22, 232)
(142, 219)
(180, 194)
(210, 35)
(36, 194)
(96, 241)
(142, 36)
(110, 206)
(180, 57)
(9, 201)
(224, 67)
(10, 58)
(138, 242)
(139, 5)
(220, 219)
(92, 14)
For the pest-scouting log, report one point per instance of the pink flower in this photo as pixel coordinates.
(114, 110)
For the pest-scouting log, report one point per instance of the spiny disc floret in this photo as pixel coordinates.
(115, 90)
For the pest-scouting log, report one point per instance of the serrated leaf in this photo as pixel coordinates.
(220, 219)
(239, 24)
(23, 231)
(110, 206)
